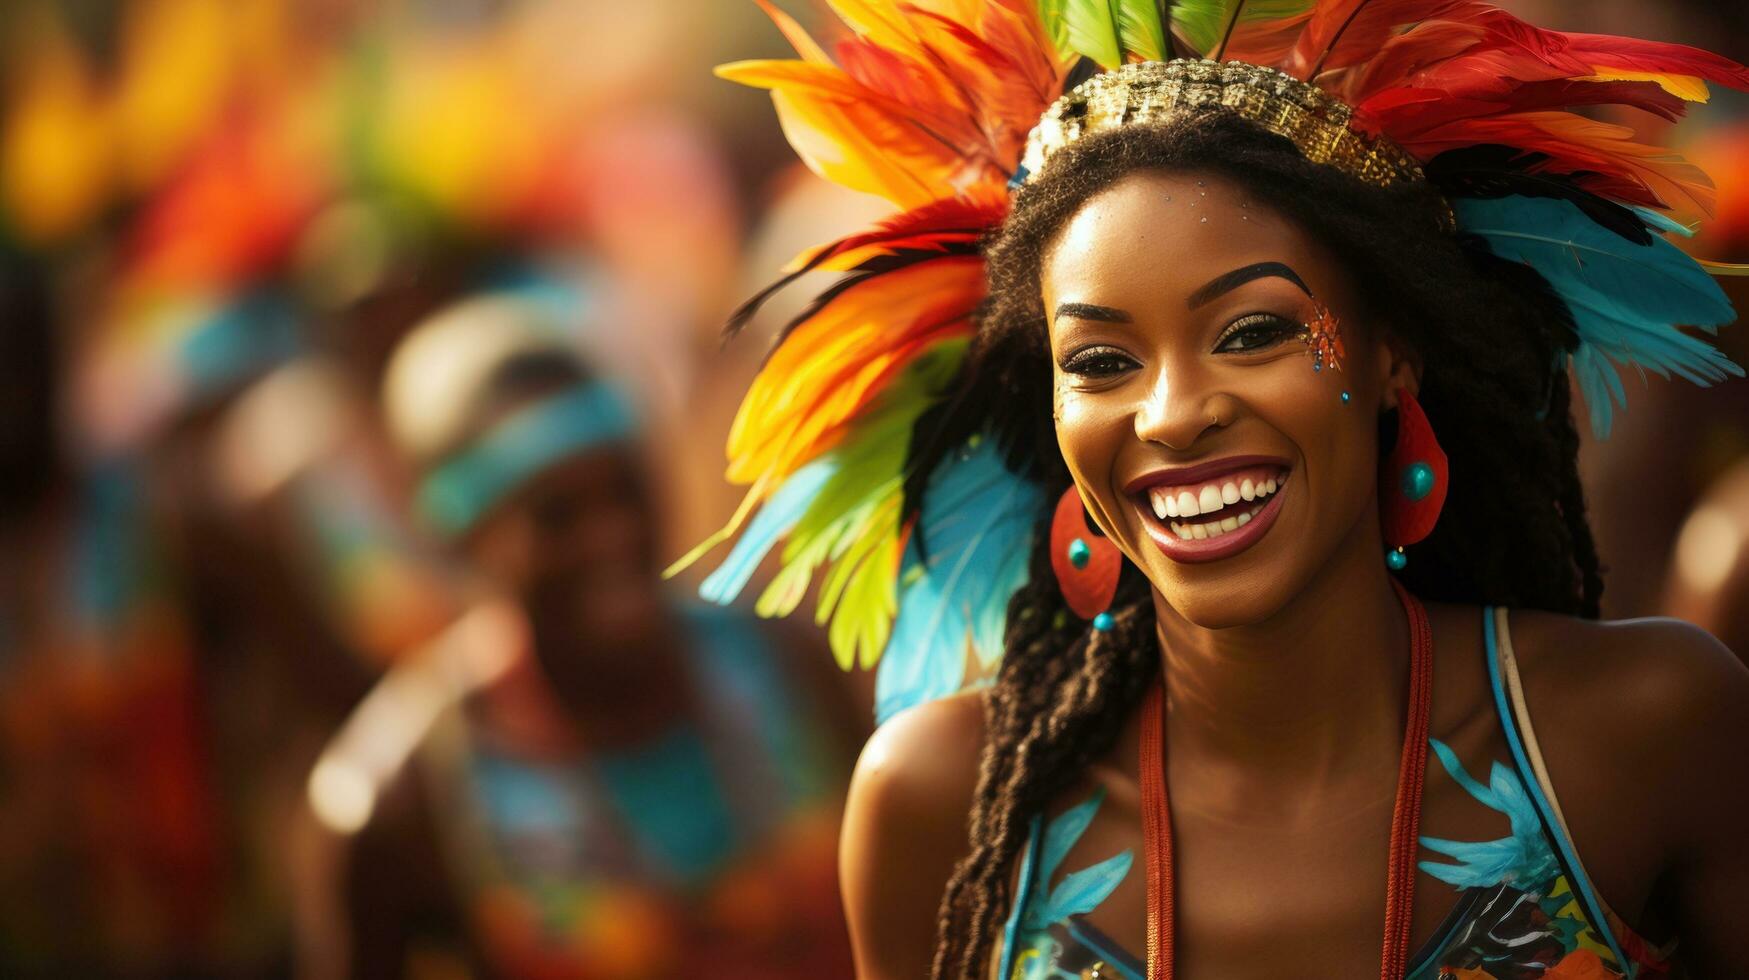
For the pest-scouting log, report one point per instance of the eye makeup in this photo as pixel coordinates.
(1256, 332)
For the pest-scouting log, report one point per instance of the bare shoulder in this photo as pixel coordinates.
(905, 829)
(1656, 708)
(925, 756)
(1637, 677)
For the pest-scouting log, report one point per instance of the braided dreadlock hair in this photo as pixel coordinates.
(1513, 531)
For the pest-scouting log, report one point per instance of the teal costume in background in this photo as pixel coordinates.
(705, 851)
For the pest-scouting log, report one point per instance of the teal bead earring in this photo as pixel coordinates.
(1412, 483)
(1086, 564)
(1417, 480)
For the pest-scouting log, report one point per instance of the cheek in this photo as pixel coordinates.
(503, 548)
(1336, 440)
(1094, 430)
(1090, 430)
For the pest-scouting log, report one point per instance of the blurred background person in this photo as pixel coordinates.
(203, 630)
(218, 218)
(629, 785)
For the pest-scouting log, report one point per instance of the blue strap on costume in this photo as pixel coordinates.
(1022, 888)
(1527, 774)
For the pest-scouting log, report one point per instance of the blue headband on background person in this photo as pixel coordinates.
(459, 492)
(235, 341)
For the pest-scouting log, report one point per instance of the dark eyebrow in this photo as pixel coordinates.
(1227, 282)
(1088, 311)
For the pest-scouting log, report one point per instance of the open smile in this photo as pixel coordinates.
(1211, 511)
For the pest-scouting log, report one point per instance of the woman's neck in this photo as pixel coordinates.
(1313, 695)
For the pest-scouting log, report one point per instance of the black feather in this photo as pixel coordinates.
(1491, 170)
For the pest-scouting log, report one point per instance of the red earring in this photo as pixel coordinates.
(1087, 564)
(1412, 483)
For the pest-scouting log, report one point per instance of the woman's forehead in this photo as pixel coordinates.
(1165, 235)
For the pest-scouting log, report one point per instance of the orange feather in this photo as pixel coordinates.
(830, 366)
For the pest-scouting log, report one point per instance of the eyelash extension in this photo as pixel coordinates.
(1283, 328)
(1077, 362)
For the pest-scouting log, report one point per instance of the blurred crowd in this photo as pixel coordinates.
(361, 370)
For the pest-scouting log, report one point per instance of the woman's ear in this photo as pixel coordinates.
(1399, 370)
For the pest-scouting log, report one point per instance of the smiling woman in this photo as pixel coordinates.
(1293, 334)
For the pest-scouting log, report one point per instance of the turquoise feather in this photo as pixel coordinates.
(1663, 222)
(1627, 300)
(1062, 833)
(1079, 892)
(976, 528)
(1522, 859)
(774, 520)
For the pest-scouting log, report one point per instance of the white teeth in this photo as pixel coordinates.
(1187, 505)
(1209, 500)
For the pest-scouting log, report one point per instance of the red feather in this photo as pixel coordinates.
(961, 220)
(1344, 32)
(1625, 170)
(1407, 113)
(1657, 56)
(948, 227)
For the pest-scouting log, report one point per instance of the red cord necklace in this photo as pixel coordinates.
(1405, 818)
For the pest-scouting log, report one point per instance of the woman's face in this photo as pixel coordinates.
(1187, 407)
(578, 545)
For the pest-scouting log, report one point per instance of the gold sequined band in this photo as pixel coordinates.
(1155, 91)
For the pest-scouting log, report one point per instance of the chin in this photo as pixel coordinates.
(619, 614)
(1216, 602)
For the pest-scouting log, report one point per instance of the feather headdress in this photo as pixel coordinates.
(929, 103)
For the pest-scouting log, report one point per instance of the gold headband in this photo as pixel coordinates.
(1154, 91)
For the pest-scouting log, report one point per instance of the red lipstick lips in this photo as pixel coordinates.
(1212, 510)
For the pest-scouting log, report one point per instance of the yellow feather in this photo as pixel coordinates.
(1687, 87)
(798, 38)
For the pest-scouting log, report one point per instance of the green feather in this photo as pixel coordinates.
(1203, 23)
(858, 597)
(1110, 31)
(1090, 27)
(1050, 13)
(855, 511)
(1139, 26)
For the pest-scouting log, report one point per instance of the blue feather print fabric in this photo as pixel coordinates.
(1525, 856)
(966, 557)
(1627, 299)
